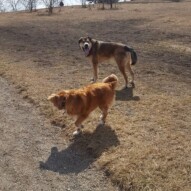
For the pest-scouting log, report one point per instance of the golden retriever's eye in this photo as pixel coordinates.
(63, 103)
(89, 39)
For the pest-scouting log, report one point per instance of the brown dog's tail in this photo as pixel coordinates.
(112, 79)
(133, 55)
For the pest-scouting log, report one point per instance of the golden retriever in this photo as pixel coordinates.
(83, 101)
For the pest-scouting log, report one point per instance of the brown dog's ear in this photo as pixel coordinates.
(80, 40)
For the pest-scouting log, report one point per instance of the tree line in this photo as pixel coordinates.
(29, 5)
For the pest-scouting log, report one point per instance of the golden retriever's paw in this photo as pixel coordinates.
(77, 132)
(101, 122)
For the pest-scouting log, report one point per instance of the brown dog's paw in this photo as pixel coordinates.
(125, 87)
(92, 80)
(132, 84)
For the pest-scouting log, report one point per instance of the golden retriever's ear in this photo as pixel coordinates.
(53, 97)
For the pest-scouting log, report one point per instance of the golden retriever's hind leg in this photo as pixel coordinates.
(79, 125)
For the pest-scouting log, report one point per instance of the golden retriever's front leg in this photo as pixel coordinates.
(104, 115)
(78, 124)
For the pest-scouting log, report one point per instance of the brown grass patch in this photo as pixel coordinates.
(146, 143)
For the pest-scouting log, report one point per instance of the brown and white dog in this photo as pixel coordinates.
(99, 51)
(82, 102)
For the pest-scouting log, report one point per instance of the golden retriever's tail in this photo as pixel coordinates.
(112, 79)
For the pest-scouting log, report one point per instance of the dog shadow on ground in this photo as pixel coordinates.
(82, 152)
(126, 94)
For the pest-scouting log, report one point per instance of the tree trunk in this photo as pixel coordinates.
(111, 4)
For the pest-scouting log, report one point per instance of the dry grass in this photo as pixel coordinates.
(146, 143)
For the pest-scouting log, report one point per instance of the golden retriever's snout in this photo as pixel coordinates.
(51, 97)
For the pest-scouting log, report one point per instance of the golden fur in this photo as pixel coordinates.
(82, 102)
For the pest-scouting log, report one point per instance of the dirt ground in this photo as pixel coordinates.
(145, 144)
(34, 157)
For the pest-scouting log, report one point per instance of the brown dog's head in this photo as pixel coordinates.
(85, 44)
(59, 100)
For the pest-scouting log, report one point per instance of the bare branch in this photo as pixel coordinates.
(2, 6)
(29, 4)
(50, 4)
(13, 4)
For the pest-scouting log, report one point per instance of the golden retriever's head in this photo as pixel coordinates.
(85, 44)
(59, 100)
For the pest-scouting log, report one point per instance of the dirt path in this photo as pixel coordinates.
(34, 157)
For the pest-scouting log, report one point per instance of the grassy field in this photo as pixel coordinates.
(146, 143)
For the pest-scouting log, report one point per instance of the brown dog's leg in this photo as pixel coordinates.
(78, 124)
(121, 62)
(121, 66)
(95, 71)
(131, 72)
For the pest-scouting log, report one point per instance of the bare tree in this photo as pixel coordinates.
(50, 4)
(2, 8)
(102, 2)
(13, 4)
(110, 2)
(83, 3)
(29, 4)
